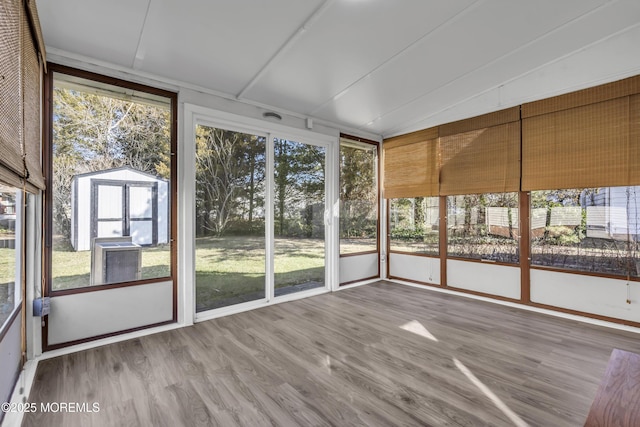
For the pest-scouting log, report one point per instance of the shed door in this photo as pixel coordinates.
(125, 209)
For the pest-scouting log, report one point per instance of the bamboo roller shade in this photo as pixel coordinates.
(411, 165)
(31, 73)
(480, 122)
(22, 50)
(594, 145)
(592, 95)
(38, 40)
(588, 138)
(10, 93)
(485, 160)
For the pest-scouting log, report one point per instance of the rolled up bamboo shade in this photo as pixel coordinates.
(594, 145)
(10, 92)
(411, 165)
(481, 155)
(31, 72)
(634, 140)
(22, 53)
(580, 98)
(34, 21)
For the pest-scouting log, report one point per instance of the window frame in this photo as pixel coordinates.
(48, 171)
(20, 254)
(533, 266)
(420, 254)
(481, 259)
(377, 172)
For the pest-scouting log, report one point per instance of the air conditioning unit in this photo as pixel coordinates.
(115, 260)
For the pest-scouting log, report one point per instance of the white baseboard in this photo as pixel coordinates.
(569, 316)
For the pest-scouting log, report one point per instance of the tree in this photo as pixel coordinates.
(94, 132)
(230, 179)
(358, 195)
(299, 187)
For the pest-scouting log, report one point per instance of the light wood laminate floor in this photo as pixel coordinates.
(381, 354)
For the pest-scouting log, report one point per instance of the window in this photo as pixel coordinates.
(111, 178)
(414, 225)
(587, 229)
(483, 226)
(358, 197)
(10, 254)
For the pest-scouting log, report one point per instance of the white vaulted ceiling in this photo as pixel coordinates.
(381, 66)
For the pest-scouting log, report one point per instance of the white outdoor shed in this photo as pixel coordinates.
(119, 202)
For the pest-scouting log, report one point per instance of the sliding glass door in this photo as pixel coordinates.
(299, 216)
(261, 224)
(229, 217)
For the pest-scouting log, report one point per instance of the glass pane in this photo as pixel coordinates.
(483, 226)
(104, 139)
(141, 232)
(10, 283)
(587, 229)
(358, 198)
(299, 177)
(109, 202)
(230, 217)
(109, 228)
(414, 225)
(140, 202)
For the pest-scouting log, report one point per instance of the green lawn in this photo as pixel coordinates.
(229, 270)
(7, 265)
(7, 279)
(71, 269)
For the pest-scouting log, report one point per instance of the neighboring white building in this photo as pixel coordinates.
(119, 202)
(613, 213)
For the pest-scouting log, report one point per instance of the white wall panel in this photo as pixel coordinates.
(590, 294)
(358, 267)
(10, 349)
(491, 279)
(573, 57)
(412, 267)
(91, 314)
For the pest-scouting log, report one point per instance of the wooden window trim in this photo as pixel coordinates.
(392, 251)
(350, 254)
(47, 160)
(376, 144)
(483, 261)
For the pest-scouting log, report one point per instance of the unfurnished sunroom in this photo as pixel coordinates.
(434, 206)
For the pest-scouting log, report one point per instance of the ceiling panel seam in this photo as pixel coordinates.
(84, 62)
(399, 129)
(503, 56)
(315, 15)
(396, 55)
(138, 57)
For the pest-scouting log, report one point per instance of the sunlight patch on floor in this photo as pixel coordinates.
(327, 363)
(491, 395)
(418, 329)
